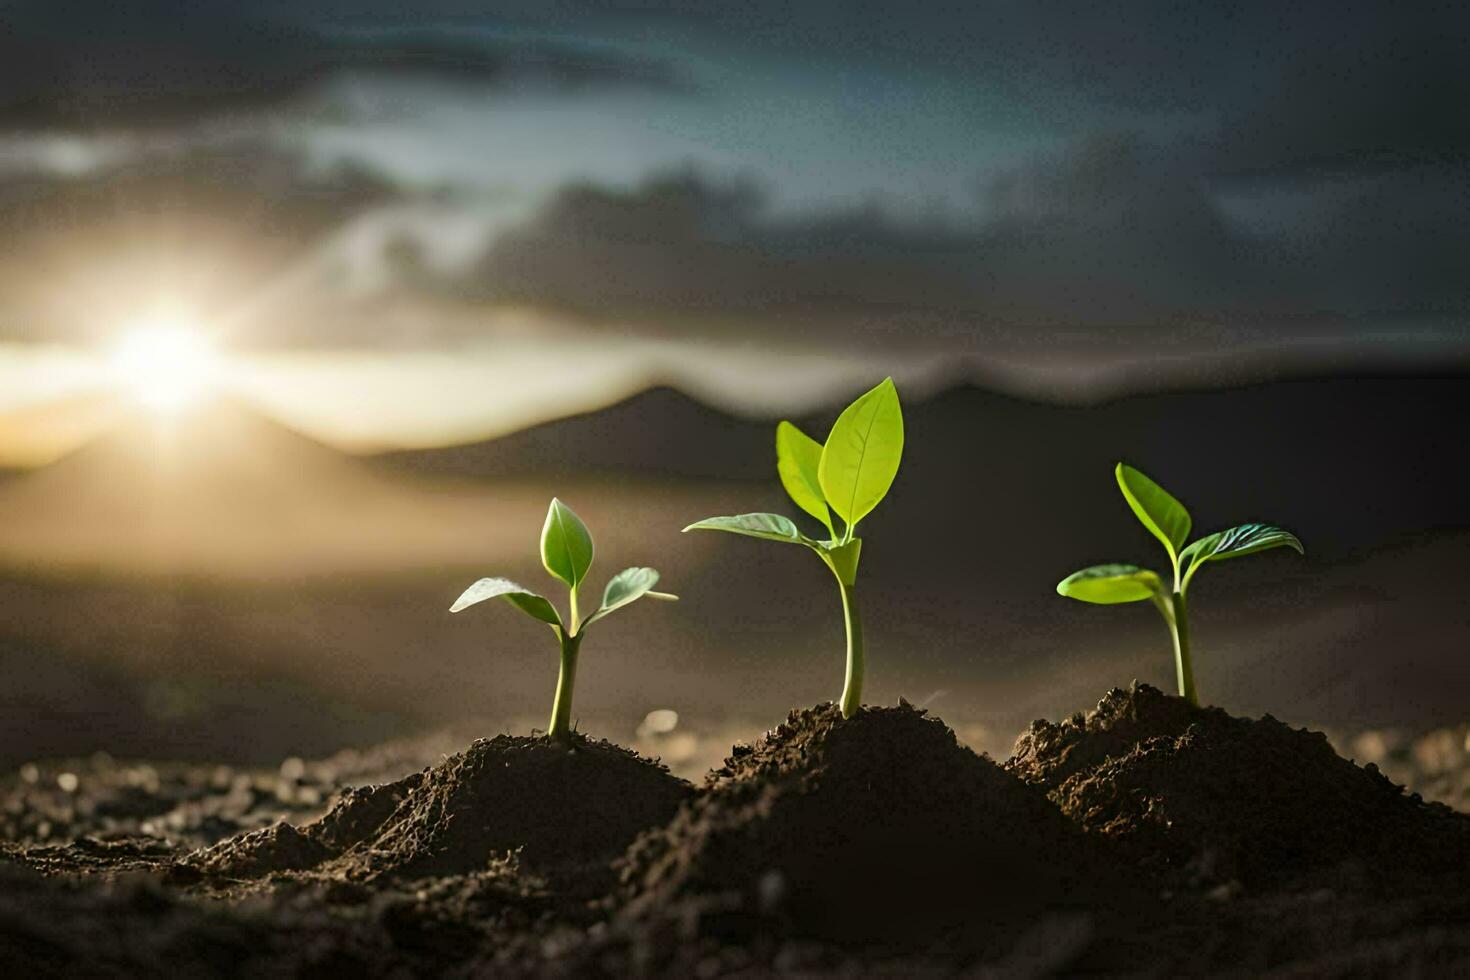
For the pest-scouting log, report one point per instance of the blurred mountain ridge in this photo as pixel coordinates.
(1357, 460)
(1328, 458)
(221, 447)
(221, 483)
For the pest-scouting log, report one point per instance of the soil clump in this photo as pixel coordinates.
(1210, 799)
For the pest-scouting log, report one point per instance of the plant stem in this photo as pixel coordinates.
(561, 708)
(1179, 628)
(852, 689)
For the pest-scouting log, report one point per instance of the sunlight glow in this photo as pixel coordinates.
(164, 363)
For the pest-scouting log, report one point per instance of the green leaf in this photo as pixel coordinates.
(771, 527)
(798, 457)
(517, 595)
(862, 453)
(1110, 584)
(1244, 539)
(1158, 511)
(566, 544)
(629, 585)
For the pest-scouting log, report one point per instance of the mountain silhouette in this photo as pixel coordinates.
(220, 482)
(658, 431)
(1350, 465)
(1356, 461)
(29, 435)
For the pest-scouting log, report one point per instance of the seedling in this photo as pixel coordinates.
(566, 551)
(1167, 520)
(846, 477)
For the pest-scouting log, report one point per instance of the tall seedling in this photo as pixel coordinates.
(839, 483)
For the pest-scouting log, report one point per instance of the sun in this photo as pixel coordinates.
(164, 363)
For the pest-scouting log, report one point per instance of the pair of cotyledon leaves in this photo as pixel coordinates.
(1167, 520)
(566, 551)
(848, 475)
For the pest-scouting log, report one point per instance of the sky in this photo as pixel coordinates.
(416, 229)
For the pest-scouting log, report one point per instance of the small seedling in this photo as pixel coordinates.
(1167, 520)
(847, 477)
(566, 551)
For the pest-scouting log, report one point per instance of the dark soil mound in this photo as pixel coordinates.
(879, 829)
(563, 805)
(1215, 799)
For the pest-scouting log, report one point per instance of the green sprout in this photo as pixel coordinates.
(1167, 520)
(566, 551)
(847, 476)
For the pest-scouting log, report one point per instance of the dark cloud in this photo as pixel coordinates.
(1112, 231)
(1115, 231)
(94, 65)
(1340, 126)
(1285, 88)
(1380, 90)
(1387, 244)
(1108, 232)
(681, 244)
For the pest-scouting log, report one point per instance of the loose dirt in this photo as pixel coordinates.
(561, 806)
(879, 831)
(1208, 799)
(1144, 838)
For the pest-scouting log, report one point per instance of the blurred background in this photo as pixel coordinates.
(308, 308)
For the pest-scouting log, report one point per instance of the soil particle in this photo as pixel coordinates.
(1211, 799)
(878, 830)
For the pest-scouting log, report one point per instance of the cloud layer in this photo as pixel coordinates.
(90, 65)
(1249, 166)
(1110, 231)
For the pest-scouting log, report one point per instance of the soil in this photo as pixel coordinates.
(1208, 799)
(881, 830)
(1145, 838)
(562, 806)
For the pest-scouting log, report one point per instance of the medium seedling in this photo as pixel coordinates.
(1167, 520)
(566, 551)
(847, 477)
